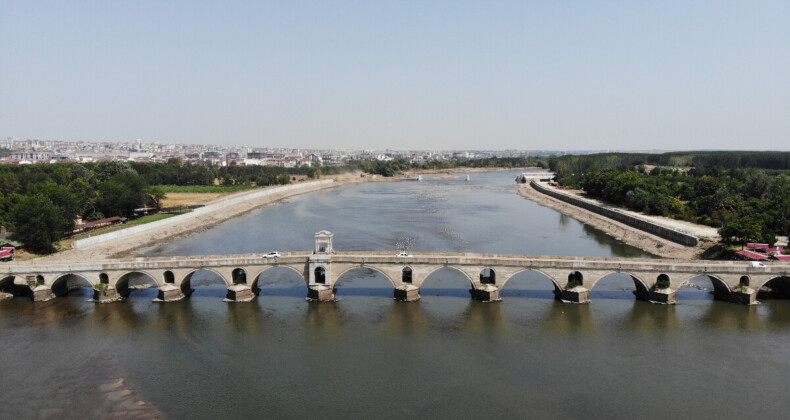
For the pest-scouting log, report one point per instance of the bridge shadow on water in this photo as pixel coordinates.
(367, 299)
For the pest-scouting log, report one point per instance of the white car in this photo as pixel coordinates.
(275, 254)
(403, 255)
(756, 264)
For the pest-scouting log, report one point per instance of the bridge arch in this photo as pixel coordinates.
(575, 278)
(7, 285)
(320, 275)
(535, 270)
(471, 282)
(779, 285)
(662, 281)
(239, 276)
(255, 286)
(169, 277)
(186, 283)
(6, 282)
(720, 288)
(744, 281)
(639, 284)
(122, 283)
(447, 281)
(369, 267)
(407, 275)
(488, 276)
(61, 287)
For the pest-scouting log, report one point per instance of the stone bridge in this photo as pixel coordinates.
(573, 277)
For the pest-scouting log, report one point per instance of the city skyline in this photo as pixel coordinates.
(400, 76)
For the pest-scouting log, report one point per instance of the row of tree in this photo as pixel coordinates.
(745, 204)
(710, 163)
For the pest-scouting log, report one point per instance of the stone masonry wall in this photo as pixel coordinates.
(641, 224)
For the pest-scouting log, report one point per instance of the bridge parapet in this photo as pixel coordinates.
(654, 280)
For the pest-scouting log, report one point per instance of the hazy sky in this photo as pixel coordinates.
(400, 74)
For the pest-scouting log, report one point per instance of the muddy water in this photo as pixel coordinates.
(366, 355)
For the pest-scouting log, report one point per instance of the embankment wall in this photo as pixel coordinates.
(82, 243)
(641, 224)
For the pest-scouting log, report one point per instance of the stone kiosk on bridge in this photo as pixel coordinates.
(319, 269)
(573, 277)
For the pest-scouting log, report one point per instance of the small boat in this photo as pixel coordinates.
(467, 178)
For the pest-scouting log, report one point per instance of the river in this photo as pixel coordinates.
(367, 355)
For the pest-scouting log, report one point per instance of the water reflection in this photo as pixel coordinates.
(245, 317)
(778, 312)
(407, 319)
(647, 317)
(58, 312)
(484, 318)
(323, 321)
(117, 316)
(618, 248)
(175, 316)
(564, 220)
(569, 318)
(730, 317)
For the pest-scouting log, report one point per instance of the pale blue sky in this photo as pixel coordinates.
(400, 74)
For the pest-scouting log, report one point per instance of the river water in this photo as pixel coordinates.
(367, 355)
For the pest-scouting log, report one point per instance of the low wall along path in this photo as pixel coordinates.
(673, 235)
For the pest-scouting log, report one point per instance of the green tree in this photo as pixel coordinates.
(154, 195)
(85, 195)
(9, 183)
(80, 171)
(62, 198)
(121, 194)
(741, 230)
(37, 222)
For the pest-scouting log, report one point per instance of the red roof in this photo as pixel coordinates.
(757, 246)
(751, 255)
(782, 257)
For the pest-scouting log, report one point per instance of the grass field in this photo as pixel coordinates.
(154, 217)
(214, 189)
(174, 199)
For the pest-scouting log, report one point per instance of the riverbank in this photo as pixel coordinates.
(650, 243)
(125, 246)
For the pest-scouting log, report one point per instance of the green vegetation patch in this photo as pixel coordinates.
(203, 188)
(744, 194)
(155, 217)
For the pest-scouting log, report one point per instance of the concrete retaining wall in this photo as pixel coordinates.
(641, 224)
(82, 243)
